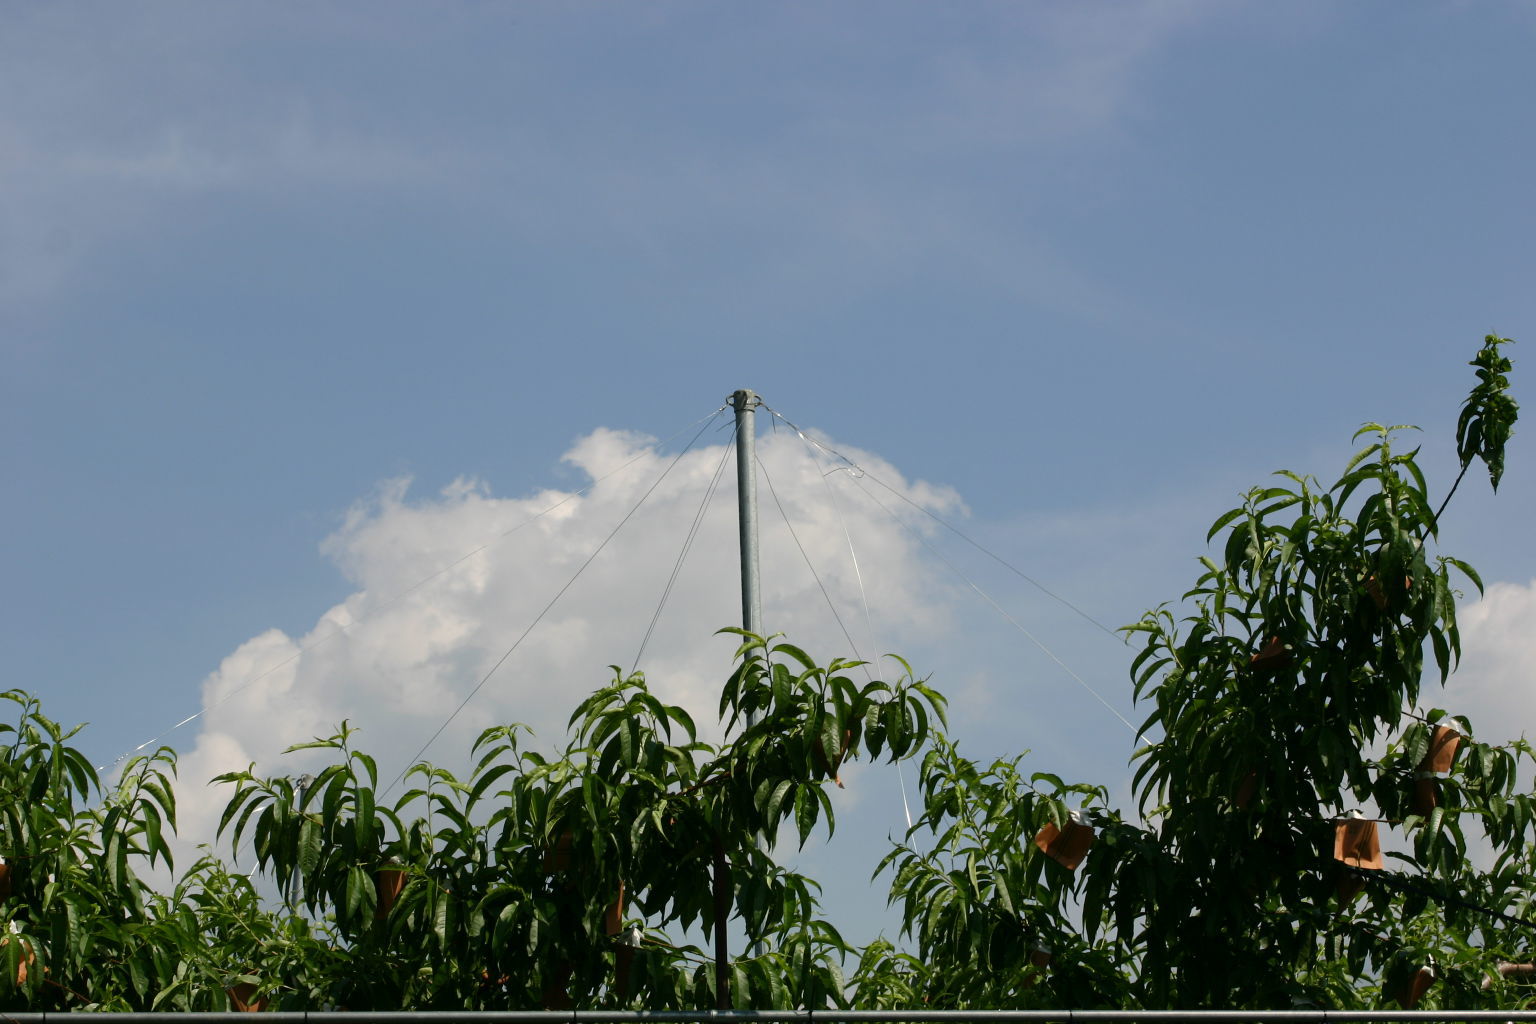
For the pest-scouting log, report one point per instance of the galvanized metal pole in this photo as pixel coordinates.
(745, 403)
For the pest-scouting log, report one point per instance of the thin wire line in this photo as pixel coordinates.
(677, 568)
(905, 809)
(857, 473)
(808, 564)
(853, 555)
(540, 617)
(402, 595)
(999, 609)
(862, 472)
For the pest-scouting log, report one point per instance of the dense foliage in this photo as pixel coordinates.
(1284, 691)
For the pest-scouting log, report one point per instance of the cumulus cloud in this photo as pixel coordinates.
(539, 577)
(1492, 687)
(399, 655)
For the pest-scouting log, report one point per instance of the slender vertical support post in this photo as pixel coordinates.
(746, 403)
(722, 917)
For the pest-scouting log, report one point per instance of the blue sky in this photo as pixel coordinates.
(1086, 271)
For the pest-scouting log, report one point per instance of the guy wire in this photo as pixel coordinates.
(552, 601)
(859, 472)
(677, 568)
(858, 575)
(808, 564)
(999, 609)
(402, 595)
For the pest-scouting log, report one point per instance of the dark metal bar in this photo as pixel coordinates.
(787, 1017)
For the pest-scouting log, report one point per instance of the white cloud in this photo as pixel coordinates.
(396, 659)
(1497, 676)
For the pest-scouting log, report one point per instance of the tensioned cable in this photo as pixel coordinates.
(858, 575)
(860, 471)
(869, 628)
(999, 609)
(677, 568)
(857, 473)
(402, 595)
(831, 605)
(905, 807)
(552, 601)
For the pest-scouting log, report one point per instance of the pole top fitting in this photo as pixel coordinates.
(745, 399)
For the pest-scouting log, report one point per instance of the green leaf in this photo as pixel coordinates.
(796, 653)
(1224, 520)
(363, 822)
(359, 896)
(1489, 414)
(1434, 823)
(831, 740)
(805, 812)
(309, 846)
(1467, 571)
(774, 809)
